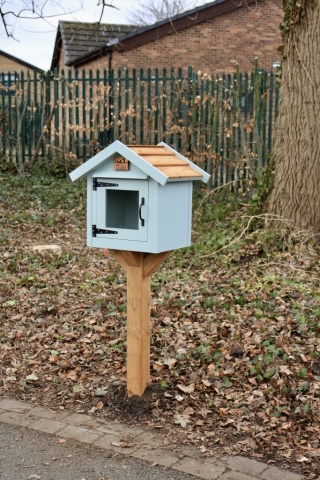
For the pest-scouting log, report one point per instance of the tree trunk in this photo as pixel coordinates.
(296, 151)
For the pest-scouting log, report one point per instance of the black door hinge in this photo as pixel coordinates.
(97, 184)
(96, 230)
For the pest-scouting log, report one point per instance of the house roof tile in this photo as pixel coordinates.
(79, 39)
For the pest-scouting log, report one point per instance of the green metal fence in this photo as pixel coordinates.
(223, 123)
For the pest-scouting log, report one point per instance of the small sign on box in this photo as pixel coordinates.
(121, 164)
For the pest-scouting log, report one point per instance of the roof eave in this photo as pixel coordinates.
(118, 147)
(178, 23)
(205, 176)
(22, 62)
(56, 49)
(86, 56)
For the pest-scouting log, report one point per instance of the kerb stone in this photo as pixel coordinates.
(81, 434)
(80, 419)
(14, 405)
(199, 468)
(233, 475)
(44, 413)
(119, 444)
(162, 456)
(48, 426)
(273, 473)
(246, 465)
(15, 418)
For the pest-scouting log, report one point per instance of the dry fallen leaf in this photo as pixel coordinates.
(285, 369)
(187, 388)
(181, 421)
(122, 444)
(72, 375)
(43, 248)
(206, 383)
(170, 362)
(33, 377)
(303, 459)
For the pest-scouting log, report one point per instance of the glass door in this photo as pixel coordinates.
(122, 207)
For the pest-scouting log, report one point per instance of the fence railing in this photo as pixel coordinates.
(223, 123)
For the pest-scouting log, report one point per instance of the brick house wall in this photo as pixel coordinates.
(62, 60)
(8, 65)
(213, 46)
(12, 65)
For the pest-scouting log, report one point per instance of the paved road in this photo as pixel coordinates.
(37, 444)
(27, 454)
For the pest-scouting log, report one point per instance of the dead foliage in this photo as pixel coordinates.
(235, 361)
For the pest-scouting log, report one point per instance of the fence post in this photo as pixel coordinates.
(172, 102)
(91, 137)
(142, 82)
(97, 99)
(56, 91)
(111, 107)
(156, 107)
(4, 112)
(106, 107)
(84, 114)
(119, 136)
(134, 104)
(164, 105)
(149, 106)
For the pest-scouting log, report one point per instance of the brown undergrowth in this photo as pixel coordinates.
(235, 365)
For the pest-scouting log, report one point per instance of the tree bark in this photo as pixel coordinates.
(296, 151)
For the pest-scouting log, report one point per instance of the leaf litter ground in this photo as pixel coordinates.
(235, 347)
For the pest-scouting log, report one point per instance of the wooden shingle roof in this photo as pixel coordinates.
(166, 161)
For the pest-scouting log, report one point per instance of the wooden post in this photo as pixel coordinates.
(139, 268)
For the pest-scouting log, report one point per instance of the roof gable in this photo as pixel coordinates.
(160, 162)
(78, 39)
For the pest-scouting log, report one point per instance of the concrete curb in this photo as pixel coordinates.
(136, 442)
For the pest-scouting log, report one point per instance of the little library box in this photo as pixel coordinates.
(139, 207)
(139, 197)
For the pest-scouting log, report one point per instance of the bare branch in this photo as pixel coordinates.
(148, 12)
(39, 9)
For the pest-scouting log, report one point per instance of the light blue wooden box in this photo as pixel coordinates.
(147, 208)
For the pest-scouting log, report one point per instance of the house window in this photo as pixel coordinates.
(8, 80)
